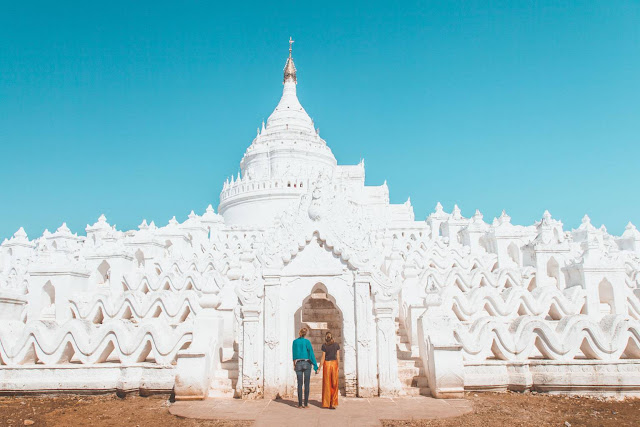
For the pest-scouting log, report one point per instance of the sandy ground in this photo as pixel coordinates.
(504, 409)
(518, 409)
(98, 411)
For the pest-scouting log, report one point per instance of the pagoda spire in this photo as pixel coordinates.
(290, 68)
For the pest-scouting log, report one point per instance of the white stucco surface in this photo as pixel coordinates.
(209, 306)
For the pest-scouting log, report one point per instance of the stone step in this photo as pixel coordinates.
(415, 391)
(406, 382)
(308, 316)
(323, 324)
(229, 364)
(222, 387)
(412, 371)
(324, 311)
(217, 393)
(318, 303)
(320, 333)
(420, 382)
(415, 361)
(316, 326)
(403, 354)
(417, 381)
(226, 374)
(229, 353)
(402, 339)
(412, 391)
(319, 339)
(221, 384)
(404, 346)
(331, 320)
(408, 372)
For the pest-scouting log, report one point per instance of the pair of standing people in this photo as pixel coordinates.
(303, 358)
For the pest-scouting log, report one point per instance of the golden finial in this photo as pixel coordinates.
(290, 68)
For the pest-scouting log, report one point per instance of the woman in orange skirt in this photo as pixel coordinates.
(330, 364)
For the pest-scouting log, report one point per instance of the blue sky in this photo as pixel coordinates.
(142, 109)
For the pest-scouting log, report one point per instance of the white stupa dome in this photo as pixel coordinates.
(285, 157)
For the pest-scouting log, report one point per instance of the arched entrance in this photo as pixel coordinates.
(265, 351)
(319, 313)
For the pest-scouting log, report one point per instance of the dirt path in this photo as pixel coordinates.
(98, 411)
(512, 409)
(540, 410)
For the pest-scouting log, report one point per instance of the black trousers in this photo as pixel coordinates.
(303, 372)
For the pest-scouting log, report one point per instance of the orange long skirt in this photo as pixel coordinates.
(330, 383)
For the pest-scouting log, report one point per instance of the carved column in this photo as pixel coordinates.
(366, 341)
(411, 304)
(441, 354)
(252, 348)
(389, 384)
(195, 366)
(273, 354)
(349, 343)
(250, 290)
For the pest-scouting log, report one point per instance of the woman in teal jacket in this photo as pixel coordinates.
(303, 357)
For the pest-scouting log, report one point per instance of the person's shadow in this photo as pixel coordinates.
(294, 403)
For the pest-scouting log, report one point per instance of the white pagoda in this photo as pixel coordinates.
(209, 306)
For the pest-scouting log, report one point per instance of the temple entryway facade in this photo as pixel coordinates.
(320, 314)
(323, 292)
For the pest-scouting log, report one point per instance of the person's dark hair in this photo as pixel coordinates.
(328, 338)
(303, 332)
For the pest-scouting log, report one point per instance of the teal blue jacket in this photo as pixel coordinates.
(302, 349)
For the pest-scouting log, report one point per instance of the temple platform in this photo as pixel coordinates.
(350, 412)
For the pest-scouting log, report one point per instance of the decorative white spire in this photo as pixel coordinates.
(21, 234)
(63, 229)
(289, 123)
(456, 214)
(586, 224)
(290, 68)
(631, 232)
(504, 218)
